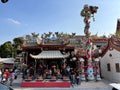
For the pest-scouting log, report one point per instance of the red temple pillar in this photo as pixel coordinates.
(26, 58)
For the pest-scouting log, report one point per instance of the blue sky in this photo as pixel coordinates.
(22, 17)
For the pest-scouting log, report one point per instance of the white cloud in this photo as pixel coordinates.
(13, 21)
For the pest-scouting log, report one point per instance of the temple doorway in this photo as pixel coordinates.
(53, 62)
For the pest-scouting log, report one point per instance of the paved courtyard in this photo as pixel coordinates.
(91, 85)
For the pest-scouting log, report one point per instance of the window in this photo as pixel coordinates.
(117, 67)
(108, 67)
(110, 55)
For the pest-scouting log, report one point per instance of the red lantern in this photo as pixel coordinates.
(31, 67)
(41, 67)
(53, 66)
(97, 67)
(84, 66)
(63, 67)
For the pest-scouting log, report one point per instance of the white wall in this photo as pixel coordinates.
(110, 75)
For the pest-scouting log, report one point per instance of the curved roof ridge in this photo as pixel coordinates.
(114, 44)
(111, 45)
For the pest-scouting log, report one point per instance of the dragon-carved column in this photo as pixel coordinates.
(88, 12)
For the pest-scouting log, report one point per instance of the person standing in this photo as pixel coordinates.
(3, 78)
(68, 70)
(6, 73)
(72, 78)
(12, 77)
(53, 68)
(40, 70)
(0, 74)
(31, 71)
(77, 77)
(63, 70)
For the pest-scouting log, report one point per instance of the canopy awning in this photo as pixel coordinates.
(7, 60)
(49, 55)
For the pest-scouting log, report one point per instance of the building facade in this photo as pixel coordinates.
(110, 62)
(69, 51)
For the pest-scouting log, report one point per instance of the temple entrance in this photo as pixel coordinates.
(56, 62)
(49, 58)
(48, 63)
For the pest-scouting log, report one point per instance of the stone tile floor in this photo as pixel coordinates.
(90, 85)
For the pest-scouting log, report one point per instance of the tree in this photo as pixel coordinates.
(17, 42)
(10, 50)
(6, 50)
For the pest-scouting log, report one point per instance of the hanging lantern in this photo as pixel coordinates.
(81, 59)
(100, 58)
(100, 51)
(97, 59)
(4, 1)
(74, 58)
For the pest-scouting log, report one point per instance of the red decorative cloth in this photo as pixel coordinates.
(53, 66)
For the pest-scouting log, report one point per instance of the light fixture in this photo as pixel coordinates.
(81, 59)
(100, 51)
(100, 58)
(74, 58)
(110, 48)
(97, 59)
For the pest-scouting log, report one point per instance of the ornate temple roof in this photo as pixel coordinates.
(60, 41)
(113, 43)
(52, 54)
(47, 47)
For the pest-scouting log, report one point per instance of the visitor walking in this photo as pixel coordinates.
(3, 78)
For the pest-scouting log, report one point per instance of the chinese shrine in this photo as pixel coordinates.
(56, 56)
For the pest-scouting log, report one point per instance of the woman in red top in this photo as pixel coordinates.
(6, 73)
